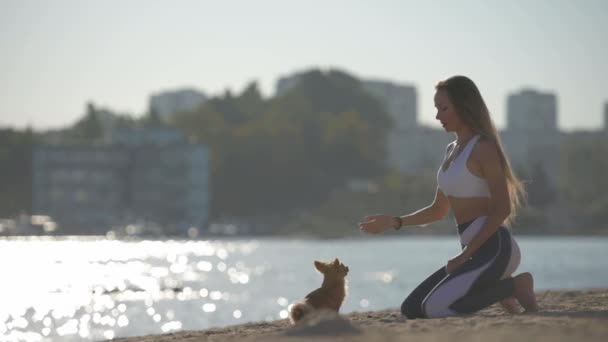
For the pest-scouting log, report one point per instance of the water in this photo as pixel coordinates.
(78, 290)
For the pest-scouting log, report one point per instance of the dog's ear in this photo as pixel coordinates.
(320, 266)
(346, 269)
(337, 262)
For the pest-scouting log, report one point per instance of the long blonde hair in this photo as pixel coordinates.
(472, 109)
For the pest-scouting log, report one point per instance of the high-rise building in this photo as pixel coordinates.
(399, 101)
(532, 139)
(530, 110)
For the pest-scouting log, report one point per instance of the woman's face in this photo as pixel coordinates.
(446, 114)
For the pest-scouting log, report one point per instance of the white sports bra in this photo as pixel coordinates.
(457, 180)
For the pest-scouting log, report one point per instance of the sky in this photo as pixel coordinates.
(57, 55)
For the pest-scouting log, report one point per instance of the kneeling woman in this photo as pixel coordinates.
(475, 180)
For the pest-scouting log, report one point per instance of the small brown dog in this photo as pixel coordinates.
(329, 296)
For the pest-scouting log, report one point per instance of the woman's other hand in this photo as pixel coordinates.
(456, 262)
(375, 224)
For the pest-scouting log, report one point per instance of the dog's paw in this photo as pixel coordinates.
(323, 322)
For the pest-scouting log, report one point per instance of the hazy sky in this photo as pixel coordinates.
(56, 55)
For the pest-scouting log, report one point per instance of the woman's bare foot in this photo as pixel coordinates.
(524, 292)
(510, 305)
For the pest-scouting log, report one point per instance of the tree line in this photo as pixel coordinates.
(291, 157)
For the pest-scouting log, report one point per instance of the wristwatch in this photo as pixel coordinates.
(400, 223)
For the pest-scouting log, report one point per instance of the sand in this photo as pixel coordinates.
(580, 315)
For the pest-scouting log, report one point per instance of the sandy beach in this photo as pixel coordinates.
(580, 315)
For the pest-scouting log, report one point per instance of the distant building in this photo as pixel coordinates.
(399, 100)
(532, 139)
(168, 103)
(530, 152)
(88, 189)
(286, 83)
(155, 135)
(81, 186)
(170, 185)
(530, 111)
(606, 116)
(417, 150)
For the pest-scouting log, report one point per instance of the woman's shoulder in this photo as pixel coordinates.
(485, 149)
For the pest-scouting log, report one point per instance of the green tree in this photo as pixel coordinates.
(292, 151)
(88, 128)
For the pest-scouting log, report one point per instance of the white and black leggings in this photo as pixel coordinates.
(480, 282)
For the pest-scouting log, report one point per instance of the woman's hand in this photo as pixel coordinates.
(375, 224)
(456, 262)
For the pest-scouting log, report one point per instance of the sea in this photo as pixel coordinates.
(94, 288)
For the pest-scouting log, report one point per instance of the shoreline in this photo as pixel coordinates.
(565, 315)
(303, 237)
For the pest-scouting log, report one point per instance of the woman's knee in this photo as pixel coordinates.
(411, 308)
(438, 304)
(412, 305)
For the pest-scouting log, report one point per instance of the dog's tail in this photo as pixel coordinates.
(298, 311)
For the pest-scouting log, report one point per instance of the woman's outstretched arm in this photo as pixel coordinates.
(436, 211)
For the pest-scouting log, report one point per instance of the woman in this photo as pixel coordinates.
(475, 180)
